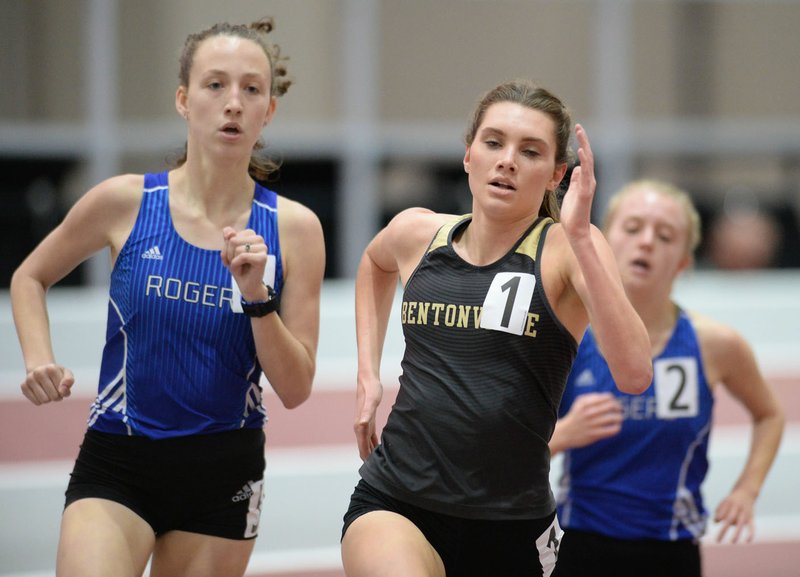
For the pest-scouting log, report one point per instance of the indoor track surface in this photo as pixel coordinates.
(312, 460)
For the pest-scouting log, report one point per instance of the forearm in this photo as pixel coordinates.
(619, 330)
(766, 438)
(288, 364)
(30, 319)
(559, 442)
(375, 290)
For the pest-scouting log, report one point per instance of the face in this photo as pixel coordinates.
(511, 161)
(649, 234)
(227, 102)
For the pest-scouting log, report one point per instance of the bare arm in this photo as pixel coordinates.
(591, 272)
(286, 343)
(375, 289)
(389, 257)
(101, 218)
(730, 361)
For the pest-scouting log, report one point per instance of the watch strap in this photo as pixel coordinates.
(257, 309)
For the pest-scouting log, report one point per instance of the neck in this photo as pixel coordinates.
(485, 240)
(659, 315)
(216, 173)
(221, 196)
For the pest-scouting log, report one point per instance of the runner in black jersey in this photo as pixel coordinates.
(494, 303)
(171, 468)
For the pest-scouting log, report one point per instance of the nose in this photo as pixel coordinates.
(234, 103)
(508, 159)
(647, 236)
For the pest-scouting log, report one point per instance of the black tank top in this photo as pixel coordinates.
(483, 372)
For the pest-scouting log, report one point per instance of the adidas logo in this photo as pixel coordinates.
(243, 494)
(585, 379)
(153, 253)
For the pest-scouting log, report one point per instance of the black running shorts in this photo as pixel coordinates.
(471, 547)
(585, 553)
(208, 484)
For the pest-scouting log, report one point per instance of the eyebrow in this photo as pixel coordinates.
(659, 223)
(499, 132)
(217, 72)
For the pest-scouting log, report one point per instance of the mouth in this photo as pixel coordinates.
(503, 184)
(232, 129)
(640, 264)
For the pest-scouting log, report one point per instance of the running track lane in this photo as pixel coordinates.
(54, 431)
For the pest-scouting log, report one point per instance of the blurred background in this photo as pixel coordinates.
(705, 94)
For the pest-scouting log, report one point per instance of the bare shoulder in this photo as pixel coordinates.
(557, 238)
(296, 213)
(118, 199)
(560, 264)
(302, 242)
(556, 241)
(417, 224)
(111, 206)
(297, 218)
(723, 348)
(103, 217)
(564, 282)
(403, 241)
(119, 191)
(713, 334)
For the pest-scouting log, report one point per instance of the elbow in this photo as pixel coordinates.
(775, 416)
(294, 401)
(293, 387)
(296, 396)
(635, 379)
(21, 282)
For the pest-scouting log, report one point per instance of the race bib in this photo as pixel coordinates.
(507, 302)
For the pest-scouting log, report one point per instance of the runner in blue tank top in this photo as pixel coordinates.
(215, 281)
(633, 466)
(494, 304)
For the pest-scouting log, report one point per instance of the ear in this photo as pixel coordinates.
(466, 159)
(180, 101)
(558, 176)
(686, 263)
(273, 104)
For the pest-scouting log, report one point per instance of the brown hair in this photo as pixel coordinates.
(530, 95)
(260, 167)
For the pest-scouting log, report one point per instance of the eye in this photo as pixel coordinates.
(215, 85)
(492, 143)
(253, 89)
(530, 153)
(666, 237)
(631, 227)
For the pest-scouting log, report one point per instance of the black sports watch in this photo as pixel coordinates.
(262, 308)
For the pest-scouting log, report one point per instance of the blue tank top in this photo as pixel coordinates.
(643, 483)
(178, 360)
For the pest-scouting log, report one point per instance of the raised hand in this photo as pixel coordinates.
(245, 255)
(576, 209)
